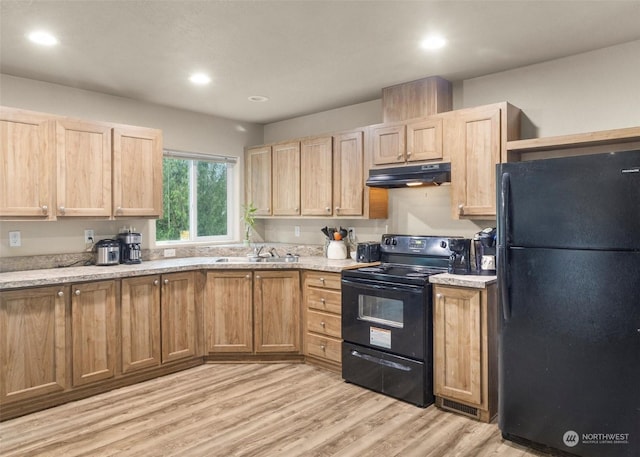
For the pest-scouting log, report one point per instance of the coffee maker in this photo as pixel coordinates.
(484, 247)
(130, 247)
(460, 258)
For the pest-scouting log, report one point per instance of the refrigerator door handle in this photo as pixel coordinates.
(503, 248)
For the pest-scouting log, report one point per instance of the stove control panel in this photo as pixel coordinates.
(421, 245)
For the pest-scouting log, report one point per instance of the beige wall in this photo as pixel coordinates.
(597, 90)
(182, 130)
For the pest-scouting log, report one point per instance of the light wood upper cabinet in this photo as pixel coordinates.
(276, 297)
(475, 140)
(83, 152)
(316, 176)
(388, 143)
(32, 343)
(137, 172)
(140, 323)
(424, 140)
(286, 179)
(229, 312)
(348, 174)
(465, 350)
(258, 179)
(27, 161)
(412, 141)
(93, 329)
(178, 316)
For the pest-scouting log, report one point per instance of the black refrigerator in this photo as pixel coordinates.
(569, 287)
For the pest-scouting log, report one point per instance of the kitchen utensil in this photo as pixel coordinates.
(108, 252)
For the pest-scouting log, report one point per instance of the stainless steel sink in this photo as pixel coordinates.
(285, 259)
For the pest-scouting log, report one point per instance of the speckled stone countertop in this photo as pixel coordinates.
(53, 276)
(474, 281)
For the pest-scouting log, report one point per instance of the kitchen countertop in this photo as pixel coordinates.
(54, 276)
(474, 281)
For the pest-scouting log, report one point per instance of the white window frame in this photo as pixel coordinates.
(233, 197)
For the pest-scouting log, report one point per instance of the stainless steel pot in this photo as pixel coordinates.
(108, 252)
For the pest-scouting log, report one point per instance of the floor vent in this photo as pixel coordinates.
(460, 408)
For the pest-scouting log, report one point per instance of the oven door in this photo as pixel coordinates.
(390, 317)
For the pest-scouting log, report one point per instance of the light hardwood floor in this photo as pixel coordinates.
(250, 410)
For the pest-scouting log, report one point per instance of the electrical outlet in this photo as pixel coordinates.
(14, 239)
(351, 233)
(169, 252)
(296, 230)
(89, 236)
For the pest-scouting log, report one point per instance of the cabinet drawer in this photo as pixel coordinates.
(324, 300)
(324, 347)
(326, 324)
(324, 280)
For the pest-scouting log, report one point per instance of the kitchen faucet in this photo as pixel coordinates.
(273, 252)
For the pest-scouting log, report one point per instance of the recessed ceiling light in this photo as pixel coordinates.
(433, 42)
(200, 79)
(258, 98)
(43, 38)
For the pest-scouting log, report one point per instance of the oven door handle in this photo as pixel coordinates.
(385, 286)
(379, 361)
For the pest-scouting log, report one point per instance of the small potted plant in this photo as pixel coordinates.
(249, 218)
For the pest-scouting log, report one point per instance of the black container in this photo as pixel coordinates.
(368, 252)
(460, 259)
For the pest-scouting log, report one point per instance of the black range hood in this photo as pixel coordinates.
(415, 175)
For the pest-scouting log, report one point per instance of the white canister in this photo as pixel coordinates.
(337, 250)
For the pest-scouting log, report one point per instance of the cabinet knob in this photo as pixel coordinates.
(60, 293)
(296, 209)
(257, 276)
(323, 324)
(77, 292)
(45, 209)
(166, 281)
(119, 210)
(399, 156)
(408, 153)
(323, 347)
(328, 209)
(322, 280)
(438, 296)
(323, 301)
(61, 209)
(460, 209)
(156, 282)
(337, 209)
(268, 210)
(248, 276)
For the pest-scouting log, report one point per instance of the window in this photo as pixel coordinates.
(198, 198)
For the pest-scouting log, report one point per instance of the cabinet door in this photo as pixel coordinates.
(178, 316)
(137, 172)
(474, 144)
(458, 344)
(316, 176)
(83, 152)
(140, 323)
(258, 179)
(229, 311)
(424, 140)
(348, 174)
(286, 179)
(32, 343)
(93, 328)
(27, 155)
(276, 297)
(388, 144)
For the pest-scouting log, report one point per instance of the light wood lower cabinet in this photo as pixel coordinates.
(140, 323)
(178, 316)
(93, 330)
(252, 312)
(465, 350)
(32, 343)
(322, 304)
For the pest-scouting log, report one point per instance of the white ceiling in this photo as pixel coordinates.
(306, 56)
